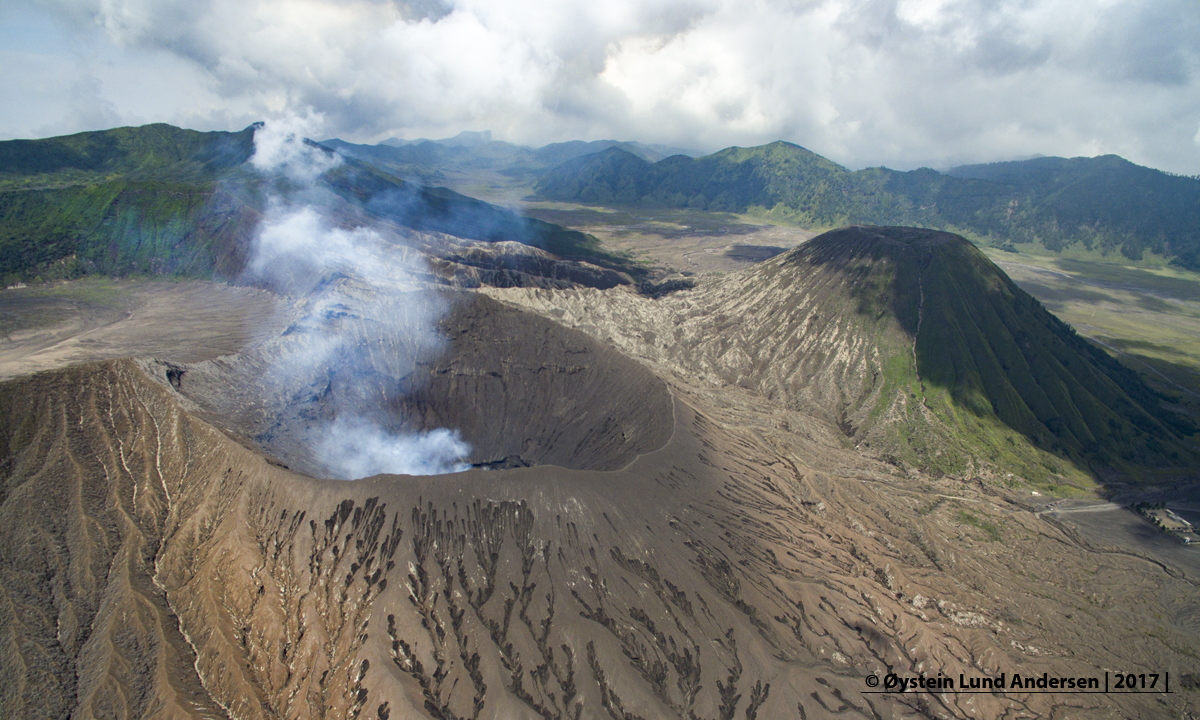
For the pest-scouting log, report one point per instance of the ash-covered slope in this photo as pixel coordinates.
(665, 554)
(923, 317)
(179, 575)
(918, 349)
(153, 567)
(521, 389)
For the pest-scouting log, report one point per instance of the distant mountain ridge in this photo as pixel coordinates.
(143, 199)
(561, 150)
(165, 200)
(162, 199)
(1106, 203)
(150, 152)
(434, 160)
(466, 138)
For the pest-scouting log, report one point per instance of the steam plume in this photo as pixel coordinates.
(363, 449)
(361, 309)
(279, 146)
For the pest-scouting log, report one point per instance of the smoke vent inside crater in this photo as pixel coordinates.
(520, 389)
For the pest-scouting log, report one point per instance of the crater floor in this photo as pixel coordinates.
(679, 546)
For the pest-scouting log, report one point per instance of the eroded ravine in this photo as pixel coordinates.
(734, 584)
(521, 390)
(685, 541)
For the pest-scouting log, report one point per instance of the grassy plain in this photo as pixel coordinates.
(1147, 317)
(1144, 313)
(684, 241)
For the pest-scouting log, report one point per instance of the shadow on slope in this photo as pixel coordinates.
(522, 390)
(987, 354)
(164, 201)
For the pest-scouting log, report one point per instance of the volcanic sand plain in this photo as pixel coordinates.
(1008, 564)
(677, 241)
(1145, 314)
(70, 322)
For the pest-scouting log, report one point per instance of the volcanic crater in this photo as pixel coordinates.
(521, 389)
(698, 536)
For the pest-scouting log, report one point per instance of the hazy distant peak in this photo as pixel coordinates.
(1046, 168)
(466, 138)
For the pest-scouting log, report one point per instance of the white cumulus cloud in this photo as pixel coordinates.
(862, 81)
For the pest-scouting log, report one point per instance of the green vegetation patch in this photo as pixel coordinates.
(164, 201)
(1105, 204)
(111, 228)
(1143, 316)
(996, 352)
(989, 528)
(977, 370)
(150, 152)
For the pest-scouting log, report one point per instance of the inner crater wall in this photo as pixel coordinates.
(522, 390)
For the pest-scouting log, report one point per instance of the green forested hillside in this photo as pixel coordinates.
(125, 200)
(994, 351)
(441, 161)
(162, 200)
(150, 152)
(1104, 203)
(120, 226)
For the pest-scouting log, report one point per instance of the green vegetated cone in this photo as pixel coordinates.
(1001, 378)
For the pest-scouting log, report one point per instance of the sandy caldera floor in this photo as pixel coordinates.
(719, 562)
(61, 324)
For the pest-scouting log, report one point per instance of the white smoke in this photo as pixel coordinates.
(361, 449)
(280, 146)
(296, 244)
(359, 298)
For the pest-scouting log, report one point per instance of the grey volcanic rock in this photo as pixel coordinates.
(510, 264)
(522, 390)
(911, 344)
(694, 537)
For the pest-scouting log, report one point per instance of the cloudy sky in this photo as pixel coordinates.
(864, 82)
